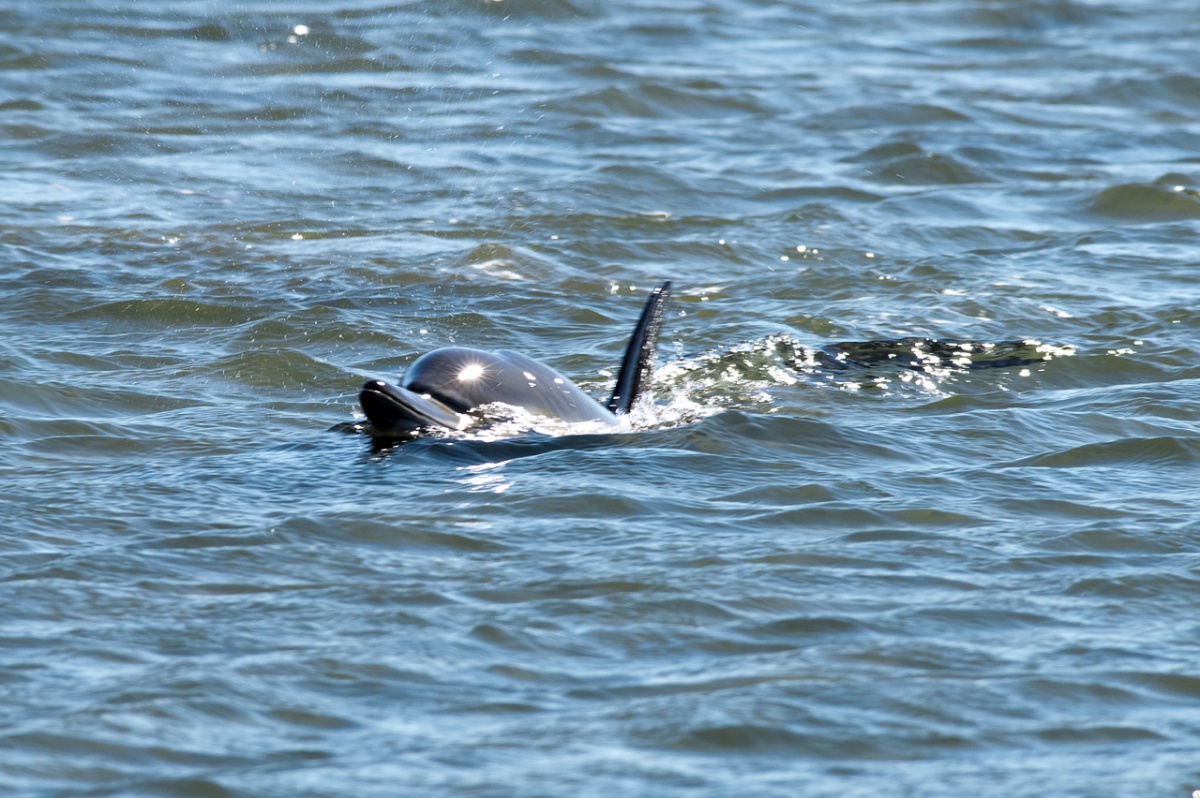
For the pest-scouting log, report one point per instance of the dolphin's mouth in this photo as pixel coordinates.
(392, 409)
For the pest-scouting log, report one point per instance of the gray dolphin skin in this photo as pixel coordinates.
(444, 384)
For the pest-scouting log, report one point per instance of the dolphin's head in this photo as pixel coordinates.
(445, 383)
(458, 377)
(393, 410)
(442, 385)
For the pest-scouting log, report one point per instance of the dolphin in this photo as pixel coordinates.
(442, 385)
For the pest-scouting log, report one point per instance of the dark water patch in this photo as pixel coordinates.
(828, 516)
(77, 441)
(1160, 451)
(1069, 694)
(927, 168)
(974, 620)
(890, 117)
(883, 153)
(1140, 408)
(497, 637)
(1040, 15)
(1055, 564)
(1147, 202)
(310, 720)
(907, 162)
(699, 100)
(313, 64)
(741, 739)
(741, 430)
(563, 590)
(901, 572)
(650, 100)
(1116, 540)
(583, 505)
(1098, 735)
(1173, 686)
(271, 368)
(1154, 585)
(926, 518)
(27, 132)
(500, 708)
(930, 655)
(687, 611)
(208, 540)
(404, 532)
(72, 403)
(112, 751)
(775, 495)
(827, 195)
(162, 313)
(892, 535)
(20, 60)
(1176, 93)
(537, 9)
(208, 32)
(805, 628)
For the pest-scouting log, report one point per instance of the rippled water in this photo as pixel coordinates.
(781, 579)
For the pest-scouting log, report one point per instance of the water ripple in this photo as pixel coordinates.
(815, 559)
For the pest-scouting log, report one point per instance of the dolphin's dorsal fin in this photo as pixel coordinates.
(639, 355)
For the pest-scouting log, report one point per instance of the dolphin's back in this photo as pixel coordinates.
(463, 378)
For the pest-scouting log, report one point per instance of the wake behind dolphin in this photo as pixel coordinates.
(443, 385)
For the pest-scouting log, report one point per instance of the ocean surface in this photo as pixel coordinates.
(905, 578)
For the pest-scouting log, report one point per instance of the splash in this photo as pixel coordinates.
(748, 376)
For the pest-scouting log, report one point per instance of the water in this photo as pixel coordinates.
(781, 579)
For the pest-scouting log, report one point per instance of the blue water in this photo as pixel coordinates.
(778, 579)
